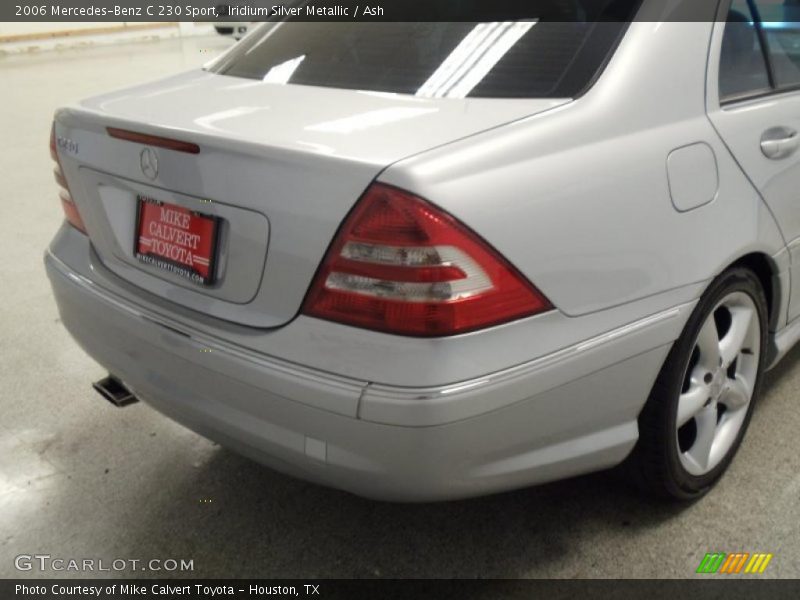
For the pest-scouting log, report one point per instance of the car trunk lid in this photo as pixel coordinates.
(279, 166)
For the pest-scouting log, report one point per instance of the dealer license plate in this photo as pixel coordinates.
(176, 239)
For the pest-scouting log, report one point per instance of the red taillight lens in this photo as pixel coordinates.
(403, 266)
(70, 210)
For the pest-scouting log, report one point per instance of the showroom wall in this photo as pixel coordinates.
(16, 37)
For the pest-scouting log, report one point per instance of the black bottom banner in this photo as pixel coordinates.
(410, 589)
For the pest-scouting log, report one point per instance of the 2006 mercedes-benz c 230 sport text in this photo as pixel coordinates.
(422, 261)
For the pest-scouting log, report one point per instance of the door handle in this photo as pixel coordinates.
(779, 142)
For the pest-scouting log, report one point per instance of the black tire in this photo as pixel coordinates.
(654, 463)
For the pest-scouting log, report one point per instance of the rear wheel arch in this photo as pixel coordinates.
(766, 270)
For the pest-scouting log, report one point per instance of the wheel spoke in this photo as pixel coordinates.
(700, 452)
(708, 343)
(737, 393)
(731, 345)
(691, 401)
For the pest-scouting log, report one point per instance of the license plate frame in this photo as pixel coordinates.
(195, 270)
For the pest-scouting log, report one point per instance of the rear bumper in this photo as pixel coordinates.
(568, 413)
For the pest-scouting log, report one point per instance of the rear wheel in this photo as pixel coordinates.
(700, 405)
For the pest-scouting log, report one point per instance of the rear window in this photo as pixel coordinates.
(513, 59)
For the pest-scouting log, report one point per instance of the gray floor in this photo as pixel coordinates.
(81, 479)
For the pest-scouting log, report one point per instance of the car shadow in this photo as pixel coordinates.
(781, 372)
(235, 518)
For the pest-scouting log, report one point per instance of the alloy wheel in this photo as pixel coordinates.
(718, 383)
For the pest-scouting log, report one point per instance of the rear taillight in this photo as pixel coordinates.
(401, 265)
(70, 210)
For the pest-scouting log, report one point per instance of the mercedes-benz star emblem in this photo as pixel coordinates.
(148, 161)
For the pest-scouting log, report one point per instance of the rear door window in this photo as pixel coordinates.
(782, 35)
(742, 67)
(760, 49)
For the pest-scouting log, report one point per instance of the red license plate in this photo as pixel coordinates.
(176, 239)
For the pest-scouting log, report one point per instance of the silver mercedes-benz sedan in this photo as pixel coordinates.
(422, 261)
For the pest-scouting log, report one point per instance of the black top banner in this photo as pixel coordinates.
(359, 10)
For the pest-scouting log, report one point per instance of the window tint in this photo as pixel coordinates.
(742, 68)
(451, 60)
(782, 32)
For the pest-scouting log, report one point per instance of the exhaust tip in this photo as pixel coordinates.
(113, 390)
